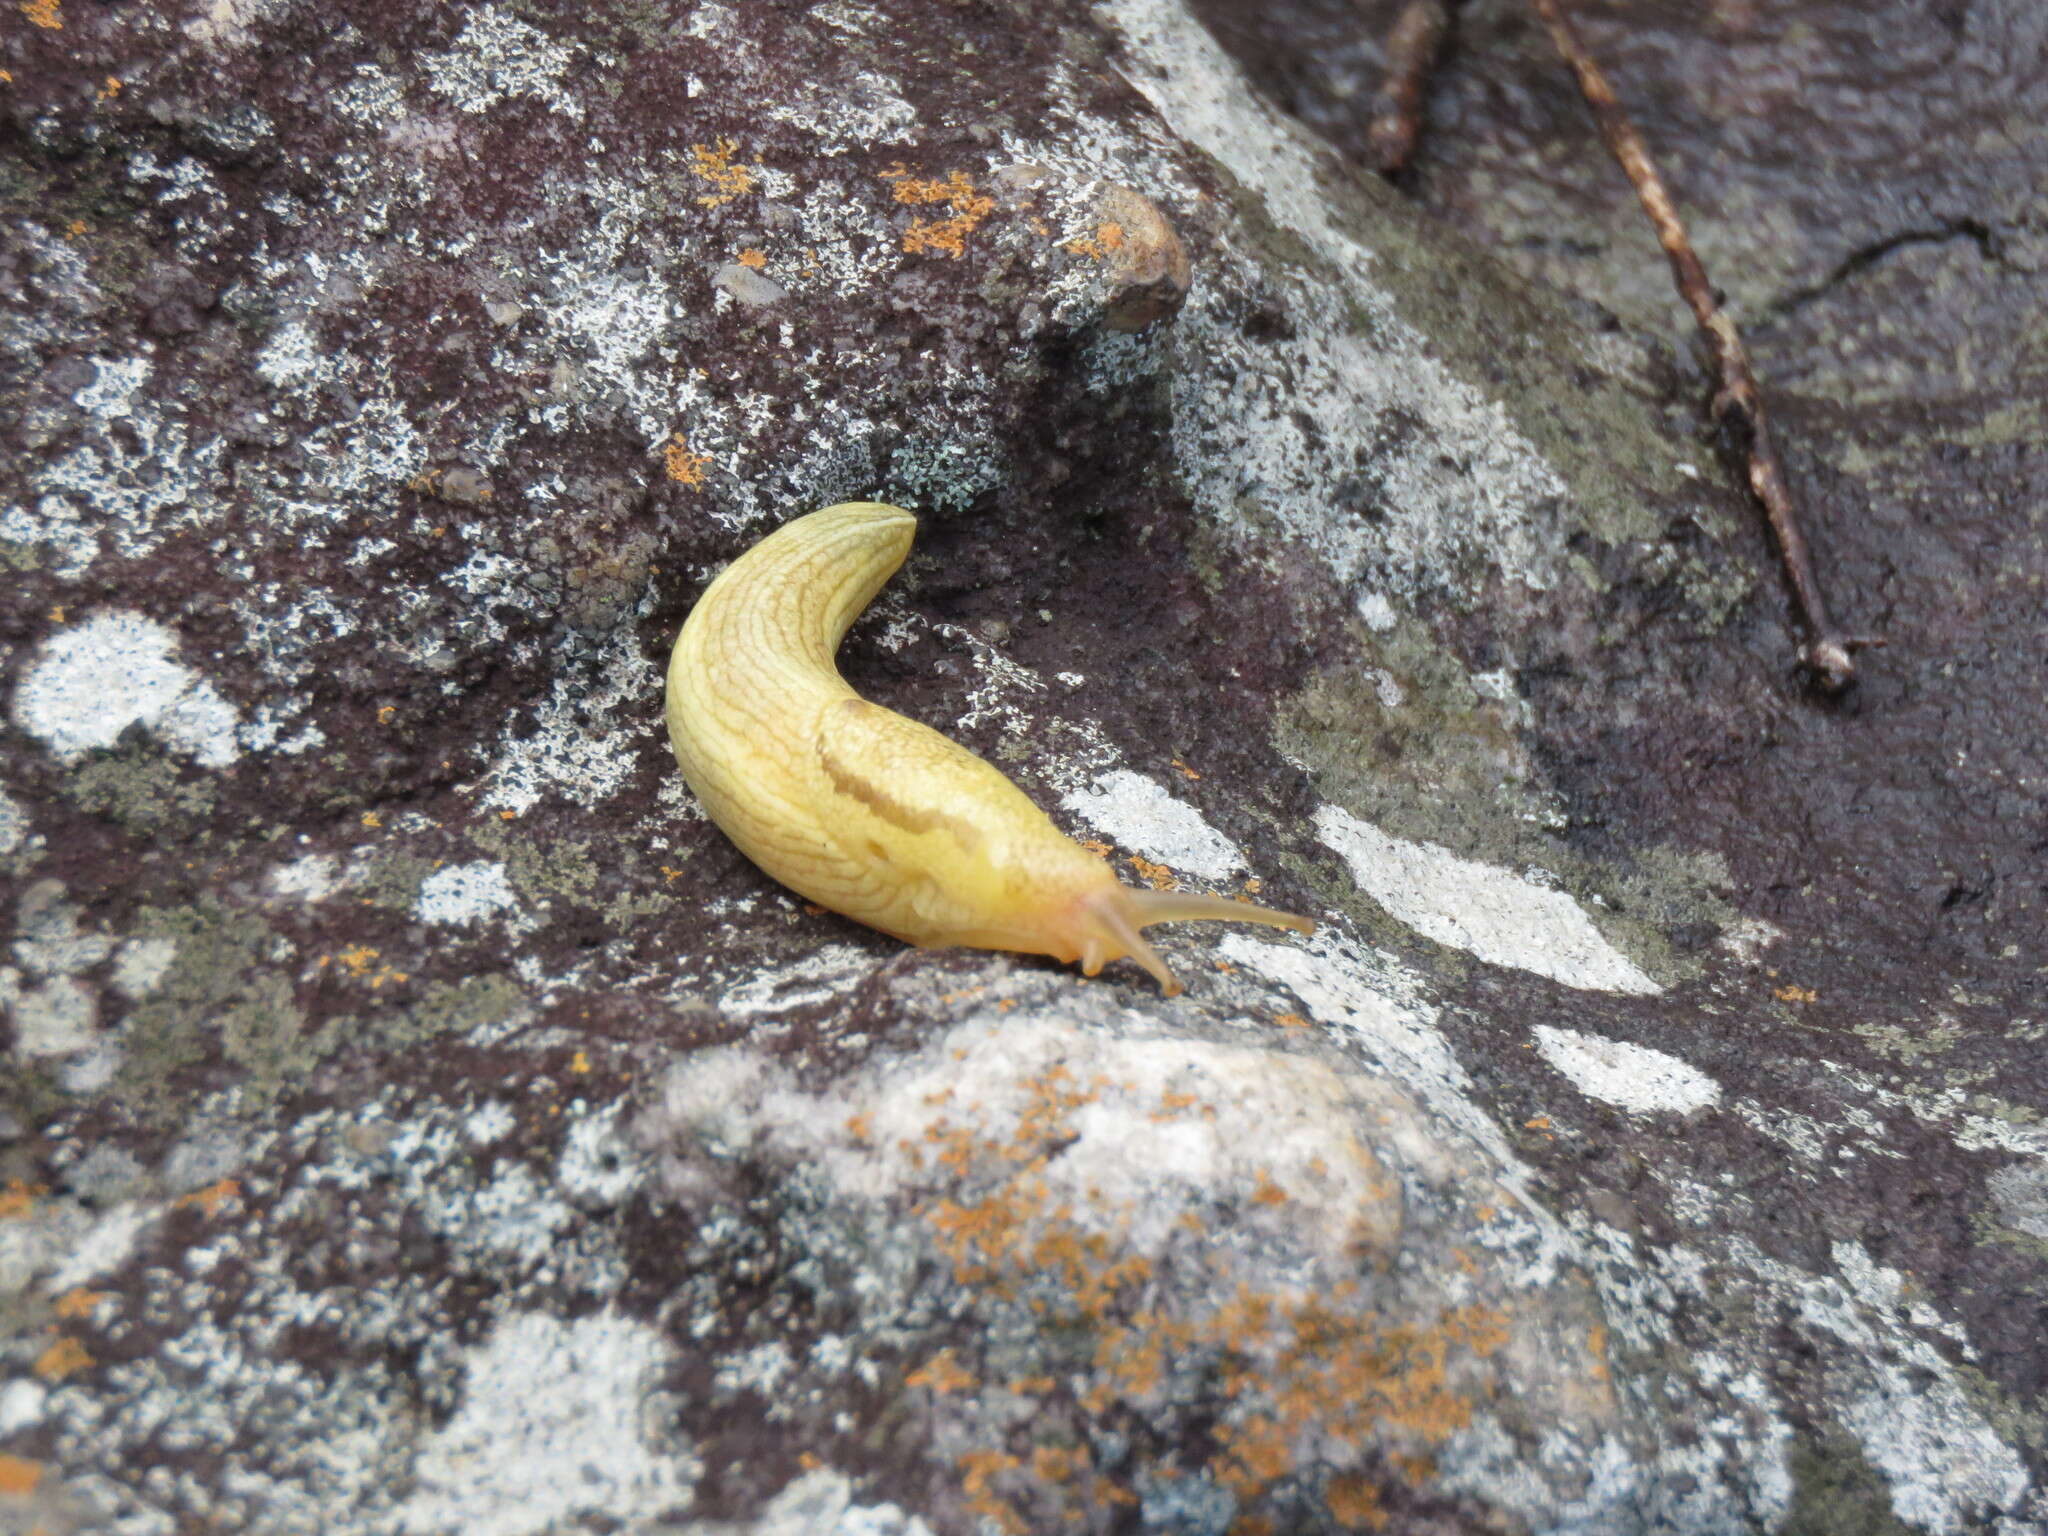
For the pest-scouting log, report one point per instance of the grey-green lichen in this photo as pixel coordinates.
(143, 789)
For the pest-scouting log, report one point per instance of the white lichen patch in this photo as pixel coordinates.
(51, 1018)
(1288, 424)
(1482, 909)
(21, 1405)
(1161, 1127)
(57, 1246)
(599, 1166)
(225, 24)
(581, 745)
(2019, 1194)
(514, 1216)
(1375, 612)
(557, 1421)
(92, 681)
(14, 823)
(135, 476)
(141, 965)
(291, 357)
(50, 940)
(1139, 814)
(821, 1503)
(1634, 1077)
(850, 113)
(829, 972)
(372, 99)
(464, 895)
(1376, 1005)
(1946, 1466)
(309, 878)
(499, 56)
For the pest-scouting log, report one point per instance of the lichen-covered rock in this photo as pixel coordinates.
(420, 1120)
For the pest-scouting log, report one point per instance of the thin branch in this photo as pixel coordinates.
(1738, 404)
(1413, 48)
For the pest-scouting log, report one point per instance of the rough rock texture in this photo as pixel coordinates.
(420, 1120)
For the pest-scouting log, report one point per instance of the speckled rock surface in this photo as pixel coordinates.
(418, 1119)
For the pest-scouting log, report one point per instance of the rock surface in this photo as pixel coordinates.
(420, 1120)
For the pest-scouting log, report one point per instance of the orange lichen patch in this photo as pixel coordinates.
(1171, 1103)
(1341, 1376)
(1253, 886)
(1108, 238)
(19, 1198)
(76, 228)
(43, 13)
(1158, 876)
(1291, 1021)
(670, 874)
(752, 257)
(360, 961)
(1130, 1363)
(1537, 1123)
(1596, 1350)
(372, 820)
(1417, 1469)
(1356, 1503)
(977, 1469)
(579, 1064)
(80, 1303)
(1795, 994)
(386, 713)
(57, 614)
(18, 1475)
(1252, 1454)
(957, 193)
(1097, 846)
(1306, 1386)
(716, 164)
(210, 1199)
(683, 466)
(1186, 772)
(1057, 1464)
(110, 90)
(62, 1358)
(942, 1374)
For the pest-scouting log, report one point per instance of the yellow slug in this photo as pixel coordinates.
(862, 810)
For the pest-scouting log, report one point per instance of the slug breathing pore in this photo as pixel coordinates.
(867, 812)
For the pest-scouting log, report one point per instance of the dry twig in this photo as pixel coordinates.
(1738, 405)
(1413, 48)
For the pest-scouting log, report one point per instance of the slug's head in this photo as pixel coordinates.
(1105, 923)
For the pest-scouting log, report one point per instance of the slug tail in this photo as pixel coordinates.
(1149, 907)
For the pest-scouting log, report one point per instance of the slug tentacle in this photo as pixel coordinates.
(864, 811)
(1115, 934)
(1193, 907)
